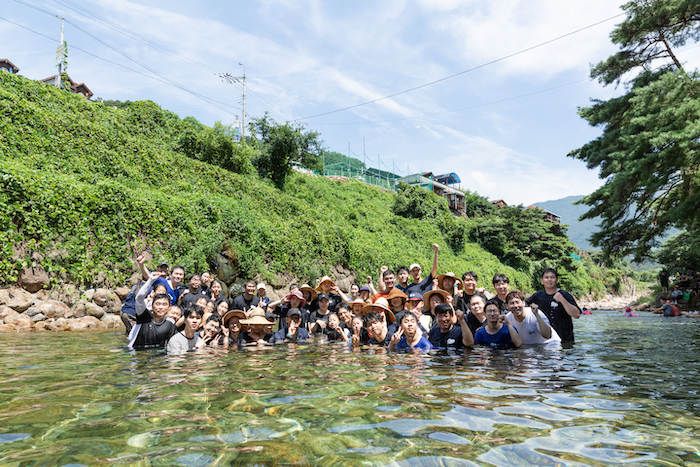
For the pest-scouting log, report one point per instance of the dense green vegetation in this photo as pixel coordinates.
(648, 150)
(86, 187)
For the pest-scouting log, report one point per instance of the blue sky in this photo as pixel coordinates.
(504, 128)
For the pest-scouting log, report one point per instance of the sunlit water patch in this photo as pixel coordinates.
(625, 394)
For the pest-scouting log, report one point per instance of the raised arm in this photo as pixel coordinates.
(140, 261)
(545, 329)
(380, 281)
(338, 292)
(467, 336)
(514, 336)
(571, 310)
(372, 290)
(433, 270)
(143, 293)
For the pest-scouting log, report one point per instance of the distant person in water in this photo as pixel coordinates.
(628, 312)
(585, 311)
(557, 305)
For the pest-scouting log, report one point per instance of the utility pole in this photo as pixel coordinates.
(237, 79)
(60, 56)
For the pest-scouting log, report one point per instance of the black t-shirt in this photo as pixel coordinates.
(499, 303)
(451, 339)
(421, 287)
(315, 316)
(245, 338)
(333, 302)
(282, 311)
(558, 317)
(332, 334)
(191, 297)
(387, 339)
(473, 323)
(151, 335)
(463, 302)
(241, 303)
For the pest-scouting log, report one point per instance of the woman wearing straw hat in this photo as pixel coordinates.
(232, 327)
(431, 299)
(326, 286)
(295, 299)
(258, 325)
(309, 294)
(450, 283)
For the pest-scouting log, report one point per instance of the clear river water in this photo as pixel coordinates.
(625, 394)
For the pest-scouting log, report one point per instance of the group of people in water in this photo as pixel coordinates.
(405, 312)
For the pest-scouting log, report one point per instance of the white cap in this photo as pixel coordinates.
(261, 286)
(414, 265)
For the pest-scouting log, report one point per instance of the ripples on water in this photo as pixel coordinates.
(626, 393)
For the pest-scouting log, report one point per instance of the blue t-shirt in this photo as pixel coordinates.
(423, 345)
(174, 294)
(281, 335)
(443, 341)
(500, 340)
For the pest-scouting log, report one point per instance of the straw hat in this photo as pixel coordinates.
(320, 283)
(256, 316)
(380, 305)
(231, 313)
(298, 295)
(395, 292)
(457, 280)
(308, 288)
(430, 293)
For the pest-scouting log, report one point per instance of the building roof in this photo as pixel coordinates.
(447, 179)
(79, 88)
(5, 63)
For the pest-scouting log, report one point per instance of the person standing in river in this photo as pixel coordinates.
(557, 305)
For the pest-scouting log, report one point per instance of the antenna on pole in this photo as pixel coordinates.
(60, 52)
(237, 79)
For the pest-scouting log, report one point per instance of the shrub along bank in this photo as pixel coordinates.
(86, 187)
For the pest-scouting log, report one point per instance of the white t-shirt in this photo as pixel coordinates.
(529, 329)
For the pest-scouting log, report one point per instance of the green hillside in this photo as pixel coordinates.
(85, 188)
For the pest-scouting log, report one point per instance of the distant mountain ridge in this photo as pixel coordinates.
(579, 231)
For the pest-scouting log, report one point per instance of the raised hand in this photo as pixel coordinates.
(397, 336)
(436, 247)
(140, 259)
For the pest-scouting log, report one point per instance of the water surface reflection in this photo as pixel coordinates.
(626, 393)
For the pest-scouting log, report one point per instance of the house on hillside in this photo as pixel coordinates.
(77, 88)
(548, 216)
(6, 65)
(439, 185)
(499, 203)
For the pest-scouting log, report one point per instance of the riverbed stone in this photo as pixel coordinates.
(88, 294)
(85, 323)
(57, 325)
(38, 317)
(6, 310)
(67, 293)
(7, 328)
(108, 300)
(84, 308)
(122, 292)
(20, 322)
(32, 311)
(112, 321)
(54, 309)
(33, 279)
(16, 298)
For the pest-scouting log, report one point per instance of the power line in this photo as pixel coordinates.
(209, 100)
(463, 72)
(485, 104)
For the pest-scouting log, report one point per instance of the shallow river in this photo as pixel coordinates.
(625, 393)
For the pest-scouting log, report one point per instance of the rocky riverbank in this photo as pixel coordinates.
(62, 309)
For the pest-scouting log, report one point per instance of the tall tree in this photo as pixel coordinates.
(648, 153)
(282, 144)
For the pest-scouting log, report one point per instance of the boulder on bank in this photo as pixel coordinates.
(108, 300)
(54, 309)
(85, 323)
(16, 298)
(68, 294)
(122, 292)
(112, 321)
(84, 308)
(19, 322)
(33, 279)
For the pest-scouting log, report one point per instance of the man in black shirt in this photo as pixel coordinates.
(151, 331)
(558, 305)
(189, 296)
(247, 299)
(423, 286)
(501, 284)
